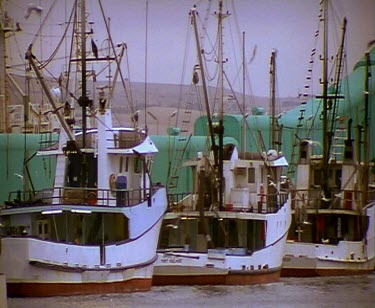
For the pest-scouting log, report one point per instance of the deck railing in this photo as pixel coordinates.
(267, 203)
(80, 196)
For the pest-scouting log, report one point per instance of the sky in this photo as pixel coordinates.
(287, 26)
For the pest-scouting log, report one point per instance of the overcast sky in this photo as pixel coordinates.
(285, 25)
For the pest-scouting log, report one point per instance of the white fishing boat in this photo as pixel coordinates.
(96, 230)
(333, 230)
(232, 228)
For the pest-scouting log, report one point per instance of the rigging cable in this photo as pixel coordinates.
(60, 42)
(117, 63)
(44, 20)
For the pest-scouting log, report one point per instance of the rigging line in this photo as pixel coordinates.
(128, 68)
(60, 42)
(184, 64)
(44, 20)
(346, 73)
(201, 112)
(205, 22)
(56, 58)
(117, 63)
(203, 35)
(71, 51)
(243, 114)
(146, 57)
(211, 77)
(21, 54)
(235, 38)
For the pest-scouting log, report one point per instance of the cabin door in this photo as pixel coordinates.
(43, 229)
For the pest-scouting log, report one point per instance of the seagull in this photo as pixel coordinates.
(32, 7)
(18, 27)
(19, 176)
(94, 49)
(172, 226)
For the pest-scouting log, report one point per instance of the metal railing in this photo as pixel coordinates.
(80, 196)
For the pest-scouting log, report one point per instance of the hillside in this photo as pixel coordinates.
(162, 101)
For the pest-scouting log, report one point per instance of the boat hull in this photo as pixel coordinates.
(310, 261)
(195, 276)
(37, 267)
(28, 276)
(227, 266)
(37, 289)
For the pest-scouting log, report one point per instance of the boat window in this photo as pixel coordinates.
(338, 178)
(43, 229)
(137, 165)
(77, 176)
(317, 177)
(251, 175)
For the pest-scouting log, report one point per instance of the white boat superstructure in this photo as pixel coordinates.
(333, 199)
(232, 228)
(335, 234)
(242, 243)
(96, 230)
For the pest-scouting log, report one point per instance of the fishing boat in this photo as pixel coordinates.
(232, 228)
(333, 203)
(95, 231)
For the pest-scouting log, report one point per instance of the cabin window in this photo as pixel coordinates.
(240, 171)
(127, 164)
(251, 175)
(317, 177)
(43, 229)
(137, 165)
(81, 170)
(149, 165)
(338, 178)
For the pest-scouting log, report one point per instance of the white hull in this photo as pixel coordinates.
(345, 258)
(231, 265)
(46, 268)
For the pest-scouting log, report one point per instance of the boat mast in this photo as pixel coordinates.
(204, 85)
(325, 88)
(4, 121)
(243, 95)
(220, 129)
(365, 131)
(83, 101)
(272, 101)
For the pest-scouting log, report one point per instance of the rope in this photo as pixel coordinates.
(117, 62)
(44, 20)
(61, 41)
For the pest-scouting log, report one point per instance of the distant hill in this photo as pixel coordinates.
(169, 95)
(162, 101)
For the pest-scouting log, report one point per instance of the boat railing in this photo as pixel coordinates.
(349, 200)
(267, 203)
(80, 196)
(270, 203)
(123, 139)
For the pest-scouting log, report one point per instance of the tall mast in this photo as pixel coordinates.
(204, 85)
(4, 121)
(325, 84)
(365, 130)
(243, 94)
(272, 101)
(221, 104)
(83, 101)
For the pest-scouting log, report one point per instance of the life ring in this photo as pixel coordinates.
(92, 198)
(112, 183)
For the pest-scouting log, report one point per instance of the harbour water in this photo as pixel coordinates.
(352, 291)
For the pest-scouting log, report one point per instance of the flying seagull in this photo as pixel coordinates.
(32, 7)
